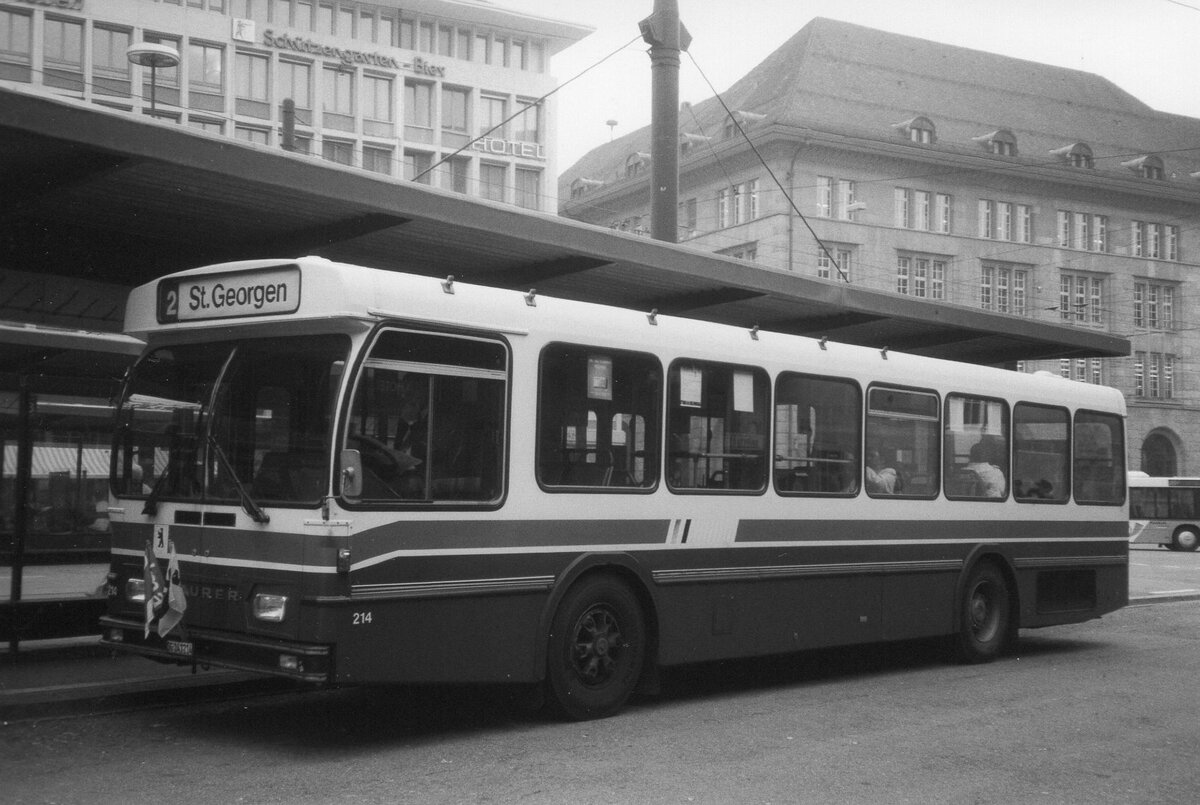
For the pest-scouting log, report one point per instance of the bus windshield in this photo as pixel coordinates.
(231, 421)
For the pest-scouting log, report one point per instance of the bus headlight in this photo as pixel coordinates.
(135, 590)
(270, 607)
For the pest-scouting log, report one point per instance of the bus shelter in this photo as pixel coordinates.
(56, 388)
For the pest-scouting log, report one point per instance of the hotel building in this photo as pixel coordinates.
(399, 89)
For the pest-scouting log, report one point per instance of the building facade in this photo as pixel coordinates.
(445, 92)
(967, 178)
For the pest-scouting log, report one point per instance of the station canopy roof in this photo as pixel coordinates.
(103, 196)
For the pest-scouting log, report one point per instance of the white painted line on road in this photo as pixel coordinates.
(1173, 592)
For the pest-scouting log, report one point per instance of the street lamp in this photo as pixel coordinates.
(152, 55)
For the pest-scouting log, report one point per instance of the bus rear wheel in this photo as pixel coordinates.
(984, 615)
(597, 648)
(1185, 539)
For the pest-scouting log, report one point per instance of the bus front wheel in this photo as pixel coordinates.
(597, 647)
(1185, 539)
(984, 615)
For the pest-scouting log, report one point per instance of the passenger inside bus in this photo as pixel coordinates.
(881, 480)
(987, 478)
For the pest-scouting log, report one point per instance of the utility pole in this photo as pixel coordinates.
(667, 38)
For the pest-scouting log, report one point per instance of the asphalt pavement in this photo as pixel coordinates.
(52, 678)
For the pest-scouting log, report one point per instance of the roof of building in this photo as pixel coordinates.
(837, 77)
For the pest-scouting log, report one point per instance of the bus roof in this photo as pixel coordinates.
(251, 295)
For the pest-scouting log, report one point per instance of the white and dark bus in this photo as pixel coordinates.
(1164, 511)
(348, 475)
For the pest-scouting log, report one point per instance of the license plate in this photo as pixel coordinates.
(180, 648)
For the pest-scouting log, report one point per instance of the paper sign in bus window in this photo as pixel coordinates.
(599, 377)
(691, 386)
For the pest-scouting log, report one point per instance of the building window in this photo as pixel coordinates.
(338, 151)
(251, 85)
(1078, 155)
(687, 216)
(252, 134)
(834, 197)
(1147, 167)
(921, 276)
(723, 203)
(493, 111)
(825, 267)
(1156, 241)
(921, 209)
(110, 65)
(206, 77)
(16, 45)
(338, 98)
(1084, 370)
(378, 110)
(941, 213)
(491, 181)
(455, 103)
(1153, 306)
(458, 169)
(1002, 288)
(418, 110)
(528, 188)
(295, 82)
(1154, 375)
(1081, 299)
(63, 54)
(417, 166)
(746, 251)
(1082, 230)
(1004, 220)
(377, 159)
(527, 124)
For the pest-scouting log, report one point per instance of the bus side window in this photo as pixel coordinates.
(598, 415)
(975, 448)
(1040, 453)
(1099, 458)
(818, 422)
(718, 426)
(428, 419)
(902, 439)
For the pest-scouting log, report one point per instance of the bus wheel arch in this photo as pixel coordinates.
(986, 609)
(600, 642)
(1185, 538)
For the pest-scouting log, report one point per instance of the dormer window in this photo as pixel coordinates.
(636, 163)
(688, 142)
(1077, 155)
(1002, 142)
(1148, 167)
(582, 186)
(743, 118)
(918, 130)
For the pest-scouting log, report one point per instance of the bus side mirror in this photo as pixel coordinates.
(351, 474)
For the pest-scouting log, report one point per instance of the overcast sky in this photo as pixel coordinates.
(1149, 48)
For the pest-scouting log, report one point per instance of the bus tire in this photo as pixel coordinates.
(597, 648)
(984, 615)
(1185, 539)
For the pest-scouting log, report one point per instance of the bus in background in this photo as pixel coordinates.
(343, 475)
(1164, 511)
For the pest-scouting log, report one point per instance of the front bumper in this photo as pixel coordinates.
(305, 662)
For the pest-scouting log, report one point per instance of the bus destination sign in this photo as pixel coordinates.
(228, 296)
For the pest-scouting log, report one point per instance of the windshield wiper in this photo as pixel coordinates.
(156, 491)
(252, 508)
